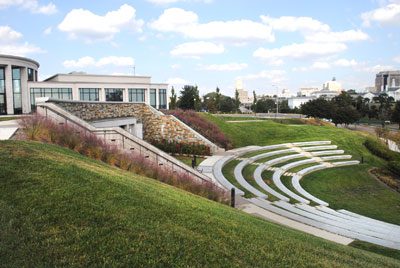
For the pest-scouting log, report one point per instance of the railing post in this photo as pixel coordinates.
(233, 197)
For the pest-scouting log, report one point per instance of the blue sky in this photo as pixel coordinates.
(209, 43)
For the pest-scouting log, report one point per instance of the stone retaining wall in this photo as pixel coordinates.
(156, 125)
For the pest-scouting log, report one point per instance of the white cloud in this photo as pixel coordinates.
(161, 2)
(300, 51)
(175, 66)
(32, 5)
(397, 59)
(47, 31)
(177, 81)
(90, 62)
(196, 49)
(320, 65)
(8, 35)
(233, 66)
(345, 63)
(375, 69)
(80, 23)
(275, 76)
(337, 37)
(387, 15)
(293, 24)
(235, 32)
(9, 43)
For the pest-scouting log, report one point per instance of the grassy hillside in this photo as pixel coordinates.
(351, 188)
(61, 209)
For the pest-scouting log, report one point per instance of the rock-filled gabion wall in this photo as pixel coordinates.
(156, 125)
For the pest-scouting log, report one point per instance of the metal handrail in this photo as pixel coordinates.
(122, 134)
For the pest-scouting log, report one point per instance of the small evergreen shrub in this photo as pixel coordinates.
(380, 150)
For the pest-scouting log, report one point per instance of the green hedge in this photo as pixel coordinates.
(379, 149)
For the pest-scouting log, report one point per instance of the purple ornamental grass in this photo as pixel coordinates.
(39, 128)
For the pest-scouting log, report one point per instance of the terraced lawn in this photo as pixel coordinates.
(61, 209)
(351, 188)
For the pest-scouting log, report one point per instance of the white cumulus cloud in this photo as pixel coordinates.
(274, 76)
(80, 23)
(306, 50)
(197, 49)
(10, 43)
(320, 65)
(337, 37)
(177, 81)
(293, 24)
(376, 69)
(32, 5)
(91, 62)
(233, 66)
(386, 15)
(397, 59)
(345, 63)
(238, 32)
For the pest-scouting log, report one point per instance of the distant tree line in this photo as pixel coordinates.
(344, 109)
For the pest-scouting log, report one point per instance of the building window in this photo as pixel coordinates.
(136, 94)
(114, 94)
(162, 98)
(3, 107)
(16, 81)
(31, 74)
(89, 94)
(153, 98)
(55, 93)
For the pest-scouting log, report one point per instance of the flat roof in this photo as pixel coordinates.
(95, 75)
(20, 58)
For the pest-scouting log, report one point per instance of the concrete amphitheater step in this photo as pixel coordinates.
(263, 185)
(240, 179)
(276, 177)
(217, 172)
(349, 226)
(320, 225)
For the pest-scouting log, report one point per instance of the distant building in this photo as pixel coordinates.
(285, 94)
(369, 96)
(19, 87)
(306, 91)
(371, 89)
(243, 94)
(296, 102)
(387, 80)
(326, 94)
(332, 86)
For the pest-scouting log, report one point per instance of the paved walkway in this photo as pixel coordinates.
(8, 129)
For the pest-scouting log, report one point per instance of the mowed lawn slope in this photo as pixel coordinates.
(351, 188)
(60, 209)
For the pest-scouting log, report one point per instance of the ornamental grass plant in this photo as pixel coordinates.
(41, 129)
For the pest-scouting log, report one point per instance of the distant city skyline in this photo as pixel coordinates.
(209, 43)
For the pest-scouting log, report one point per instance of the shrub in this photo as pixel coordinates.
(181, 148)
(206, 128)
(377, 148)
(394, 166)
(39, 128)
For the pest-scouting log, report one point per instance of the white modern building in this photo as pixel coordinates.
(243, 94)
(306, 91)
(332, 86)
(19, 87)
(296, 102)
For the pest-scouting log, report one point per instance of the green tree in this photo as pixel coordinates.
(217, 99)
(189, 98)
(396, 113)
(227, 104)
(172, 103)
(264, 105)
(237, 101)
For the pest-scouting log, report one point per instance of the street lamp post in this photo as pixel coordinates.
(277, 103)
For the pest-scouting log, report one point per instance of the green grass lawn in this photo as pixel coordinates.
(188, 160)
(351, 188)
(61, 209)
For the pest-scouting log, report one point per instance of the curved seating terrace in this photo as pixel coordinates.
(341, 222)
